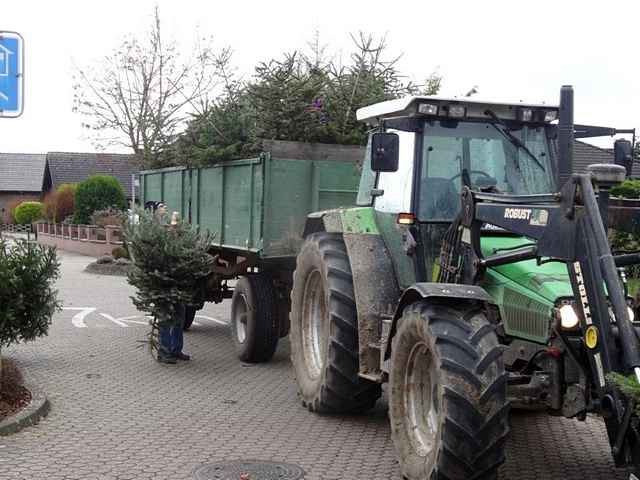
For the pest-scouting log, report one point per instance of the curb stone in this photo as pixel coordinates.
(29, 415)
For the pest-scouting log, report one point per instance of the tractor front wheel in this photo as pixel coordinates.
(447, 402)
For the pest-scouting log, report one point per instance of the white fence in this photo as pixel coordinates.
(11, 231)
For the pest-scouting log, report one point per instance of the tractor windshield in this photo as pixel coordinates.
(480, 155)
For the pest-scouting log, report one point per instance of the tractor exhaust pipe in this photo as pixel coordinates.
(565, 135)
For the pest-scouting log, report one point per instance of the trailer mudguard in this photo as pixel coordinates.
(374, 279)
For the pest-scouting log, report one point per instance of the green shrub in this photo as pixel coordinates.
(28, 298)
(628, 385)
(28, 212)
(627, 189)
(119, 252)
(98, 192)
(626, 241)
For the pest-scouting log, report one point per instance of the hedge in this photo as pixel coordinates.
(28, 212)
(97, 192)
(627, 189)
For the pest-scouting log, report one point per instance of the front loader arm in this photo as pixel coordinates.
(568, 227)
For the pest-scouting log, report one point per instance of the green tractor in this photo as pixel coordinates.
(474, 274)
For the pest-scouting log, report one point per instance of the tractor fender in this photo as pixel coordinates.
(329, 221)
(428, 290)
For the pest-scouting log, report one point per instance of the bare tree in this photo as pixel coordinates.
(140, 96)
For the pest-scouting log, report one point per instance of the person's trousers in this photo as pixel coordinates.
(171, 338)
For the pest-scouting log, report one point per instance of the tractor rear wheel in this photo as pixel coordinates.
(447, 405)
(254, 318)
(324, 330)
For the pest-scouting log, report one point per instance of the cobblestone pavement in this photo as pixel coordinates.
(117, 414)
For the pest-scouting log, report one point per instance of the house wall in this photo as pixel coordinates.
(10, 199)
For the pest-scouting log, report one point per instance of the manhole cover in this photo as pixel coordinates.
(249, 470)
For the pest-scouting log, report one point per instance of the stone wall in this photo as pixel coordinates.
(87, 240)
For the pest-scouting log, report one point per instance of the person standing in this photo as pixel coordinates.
(171, 339)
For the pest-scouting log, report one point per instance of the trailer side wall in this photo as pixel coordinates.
(256, 205)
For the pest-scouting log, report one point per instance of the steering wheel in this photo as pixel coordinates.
(472, 172)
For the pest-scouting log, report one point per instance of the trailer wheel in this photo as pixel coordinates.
(189, 316)
(324, 330)
(254, 321)
(447, 405)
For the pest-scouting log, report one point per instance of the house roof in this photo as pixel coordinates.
(22, 172)
(74, 167)
(585, 154)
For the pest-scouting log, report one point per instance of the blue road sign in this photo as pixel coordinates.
(11, 74)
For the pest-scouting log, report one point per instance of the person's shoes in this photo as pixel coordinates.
(167, 359)
(183, 356)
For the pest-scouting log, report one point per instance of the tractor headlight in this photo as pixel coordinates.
(428, 108)
(568, 317)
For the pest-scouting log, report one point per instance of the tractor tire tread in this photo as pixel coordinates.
(342, 391)
(475, 423)
(266, 335)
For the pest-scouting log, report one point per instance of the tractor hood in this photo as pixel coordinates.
(549, 280)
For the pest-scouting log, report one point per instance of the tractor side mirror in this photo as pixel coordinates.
(384, 152)
(622, 152)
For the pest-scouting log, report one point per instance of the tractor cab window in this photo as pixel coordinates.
(479, 155)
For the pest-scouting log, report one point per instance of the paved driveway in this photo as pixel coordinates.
(117, 414)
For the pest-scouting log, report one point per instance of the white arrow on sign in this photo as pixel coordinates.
(4, 97)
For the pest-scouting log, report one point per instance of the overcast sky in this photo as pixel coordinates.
(513, 50)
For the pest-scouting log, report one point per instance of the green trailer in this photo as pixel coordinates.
(257, 209)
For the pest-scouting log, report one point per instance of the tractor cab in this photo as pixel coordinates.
(427, 149)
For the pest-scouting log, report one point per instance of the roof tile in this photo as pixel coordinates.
(22, 172)
(74, 167)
